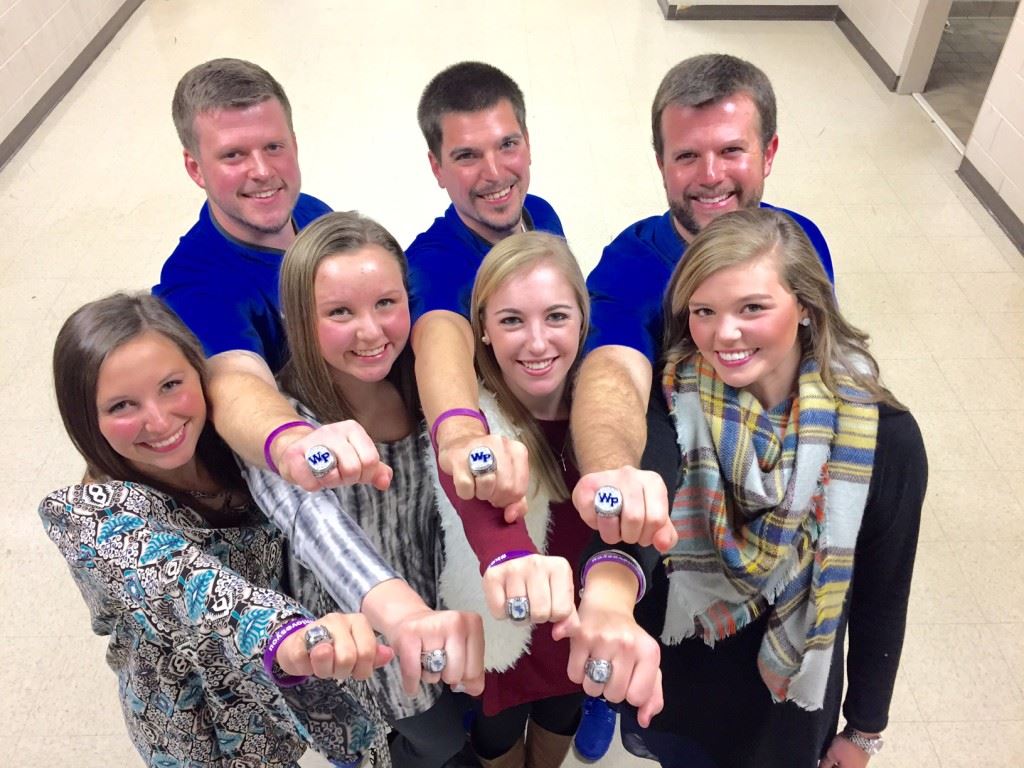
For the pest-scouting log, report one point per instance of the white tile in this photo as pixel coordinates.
(970, 744)
(952, 669)
(956, 334)
(969, 254)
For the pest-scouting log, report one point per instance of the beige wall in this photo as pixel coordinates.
(996, 145)
(38, 41)
(889, 25)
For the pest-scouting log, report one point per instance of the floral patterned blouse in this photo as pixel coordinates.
(188, 609)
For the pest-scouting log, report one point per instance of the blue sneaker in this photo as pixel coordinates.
(596, 730)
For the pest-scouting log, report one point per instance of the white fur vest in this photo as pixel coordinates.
(461, 586)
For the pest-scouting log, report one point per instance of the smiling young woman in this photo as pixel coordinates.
(180, 569)
(346, 308)
(796, 468)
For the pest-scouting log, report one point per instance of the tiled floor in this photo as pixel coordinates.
(98, 197)
(963, 67)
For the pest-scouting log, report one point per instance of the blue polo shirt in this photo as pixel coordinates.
(443, 260)
(628, 284)
(226, 291)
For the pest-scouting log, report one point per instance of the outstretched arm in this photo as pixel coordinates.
(609, 427)
(246, 407)
(443, 342)
(121, 561)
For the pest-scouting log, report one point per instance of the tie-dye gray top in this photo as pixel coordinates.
(347, 540)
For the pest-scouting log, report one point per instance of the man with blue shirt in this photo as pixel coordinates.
(714, 129)
(234, 121)
(235, 125)
(473, 117)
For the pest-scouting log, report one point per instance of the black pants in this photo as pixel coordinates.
(494, 736)
(430, 739)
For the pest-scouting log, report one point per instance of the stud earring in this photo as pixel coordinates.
(484, 339)
(805, 322)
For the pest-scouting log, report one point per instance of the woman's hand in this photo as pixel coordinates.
(355, 453)
(643, 518)
(413, 629)
(459, 634)
(605, 629)
(546, 582)
(504, 487)
(353, 652)
(843, 753)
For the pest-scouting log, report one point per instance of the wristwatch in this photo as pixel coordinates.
(872, 745)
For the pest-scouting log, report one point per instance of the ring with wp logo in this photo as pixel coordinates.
(481, 461)
(321, 460)
(608, 501)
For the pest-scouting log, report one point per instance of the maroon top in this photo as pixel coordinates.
(540, 673)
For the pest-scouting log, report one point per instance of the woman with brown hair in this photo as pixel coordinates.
(181, 570)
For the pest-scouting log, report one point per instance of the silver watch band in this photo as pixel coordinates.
(871, 746)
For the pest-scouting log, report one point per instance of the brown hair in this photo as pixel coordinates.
(469, 86)
(90, 334)
(306, 374)
(838, 347)
(221, 84)
(513, 256)
(707, 79)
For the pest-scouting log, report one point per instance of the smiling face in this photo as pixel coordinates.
(247, 161)
(150, 405)
(362, 314)
(745, 322)
(532, 322)
(484, 165)
(713, 161)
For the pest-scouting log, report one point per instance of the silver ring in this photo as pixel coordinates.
(518, 608)
(608, 501)
(481, 461)
(315, 635)
(321, 460)
(434, 661)
(598, 670)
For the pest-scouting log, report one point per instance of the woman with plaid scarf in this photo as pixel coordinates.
(798, 483)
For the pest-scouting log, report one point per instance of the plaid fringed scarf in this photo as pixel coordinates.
(767, 524)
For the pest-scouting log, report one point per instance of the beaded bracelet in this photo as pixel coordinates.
(269, 655)
(457, 412)
(620, 557)
(270, 441)
(515, 554)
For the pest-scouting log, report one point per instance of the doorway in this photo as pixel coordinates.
(971, 41)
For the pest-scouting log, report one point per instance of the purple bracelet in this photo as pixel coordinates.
(279, 636)
(456, 412)
(515, 554)
(620, 557)
(270, 441)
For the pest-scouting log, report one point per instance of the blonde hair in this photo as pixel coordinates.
(513, 256)
(839, 348)
(306, 375)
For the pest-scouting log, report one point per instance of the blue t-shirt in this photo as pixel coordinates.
(226, 291)
(628, 284)
(443, 260)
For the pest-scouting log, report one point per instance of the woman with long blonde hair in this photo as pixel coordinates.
(529, 312)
